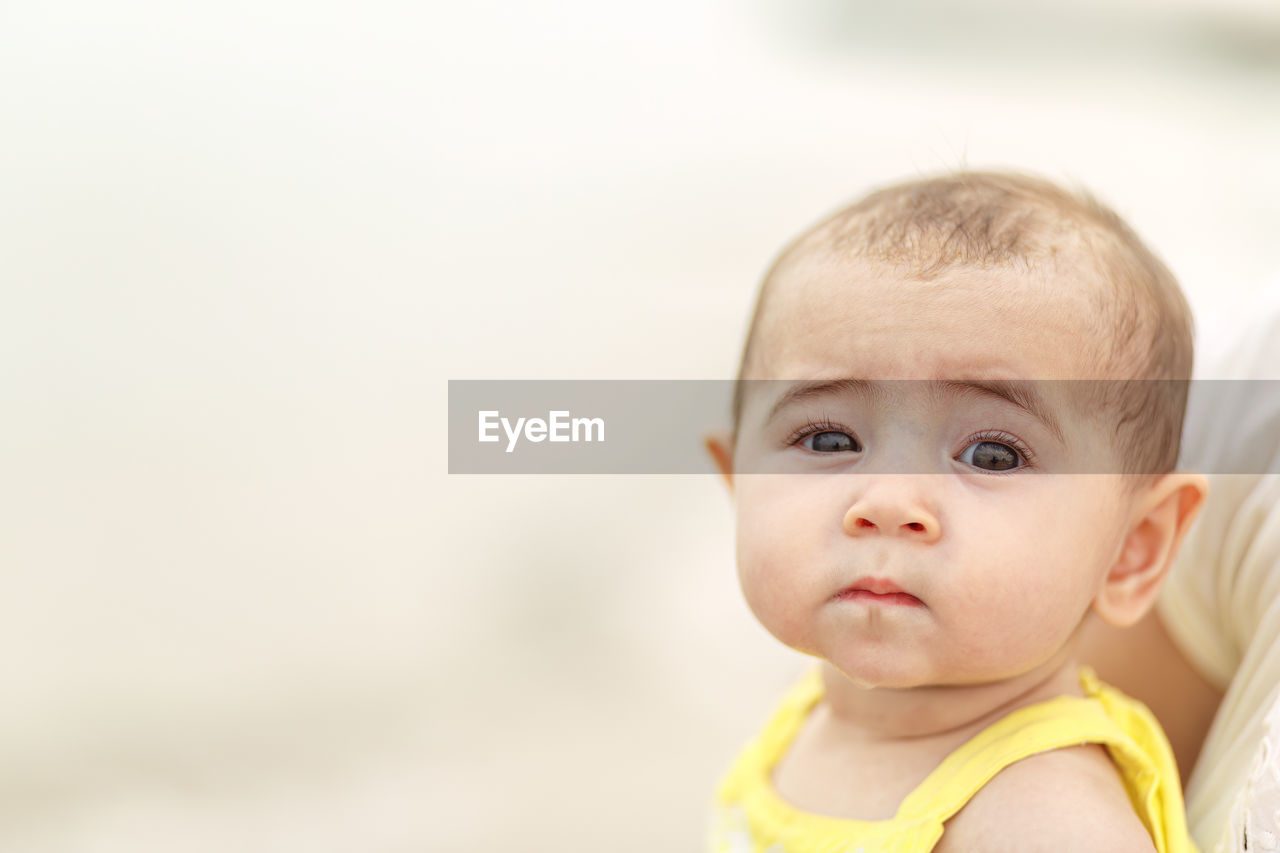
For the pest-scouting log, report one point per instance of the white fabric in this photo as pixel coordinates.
(1222, 601)
(1255, 813)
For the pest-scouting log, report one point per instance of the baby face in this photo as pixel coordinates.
(931, 531)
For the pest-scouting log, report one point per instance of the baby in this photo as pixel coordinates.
(923, 505)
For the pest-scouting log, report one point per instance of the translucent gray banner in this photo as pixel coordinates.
(558, 427)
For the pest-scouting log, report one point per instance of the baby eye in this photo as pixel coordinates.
(831, 442)
(992, 456)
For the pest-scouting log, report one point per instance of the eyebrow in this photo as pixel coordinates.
(802, 391)
(1019, 394)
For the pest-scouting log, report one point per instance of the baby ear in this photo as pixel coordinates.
(1162, 515)
(719, 445)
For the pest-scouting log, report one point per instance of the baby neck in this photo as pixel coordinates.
(943, 712)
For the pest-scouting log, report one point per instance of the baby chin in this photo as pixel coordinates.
(876, 647)
(882, 670)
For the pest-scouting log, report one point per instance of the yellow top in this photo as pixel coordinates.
(752, 818)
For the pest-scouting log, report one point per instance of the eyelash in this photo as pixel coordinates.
(815, 427)
(1028, 456)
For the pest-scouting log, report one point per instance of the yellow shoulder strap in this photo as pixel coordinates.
(767, 746)
(1054, 724)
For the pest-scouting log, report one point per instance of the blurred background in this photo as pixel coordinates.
(243, 247)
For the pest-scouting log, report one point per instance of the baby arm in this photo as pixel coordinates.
(1063, 800)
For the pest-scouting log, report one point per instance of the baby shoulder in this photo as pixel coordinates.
(1066, 799)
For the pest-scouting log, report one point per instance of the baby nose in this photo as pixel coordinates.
(891, 515)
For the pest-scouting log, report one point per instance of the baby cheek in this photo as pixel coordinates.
(773, 592)
(780, 556)
(1013, 624)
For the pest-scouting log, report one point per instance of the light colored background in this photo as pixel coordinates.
(243, 246)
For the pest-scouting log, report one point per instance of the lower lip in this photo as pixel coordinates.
(901, 599)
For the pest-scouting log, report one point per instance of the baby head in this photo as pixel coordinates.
(966, 443)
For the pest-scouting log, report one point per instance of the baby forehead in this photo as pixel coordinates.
(872, 322)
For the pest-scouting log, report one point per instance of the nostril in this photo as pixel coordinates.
(915, 525)
(866, 523)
